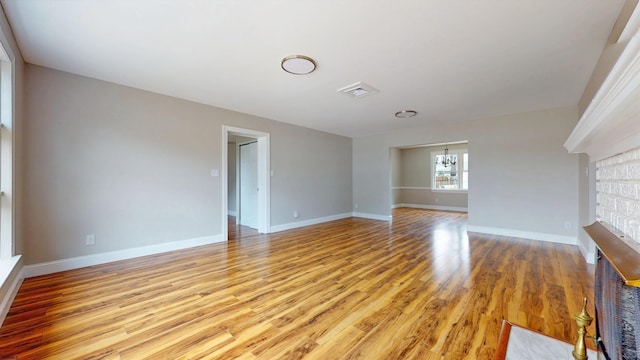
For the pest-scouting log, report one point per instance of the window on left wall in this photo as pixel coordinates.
(6, 155)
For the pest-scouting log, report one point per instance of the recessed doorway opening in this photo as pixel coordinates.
(256, 142)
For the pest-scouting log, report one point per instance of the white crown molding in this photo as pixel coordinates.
(611, 123)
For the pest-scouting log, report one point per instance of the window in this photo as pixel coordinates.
(454, 176)
(465, 171)
(446, 176)
(6, 156)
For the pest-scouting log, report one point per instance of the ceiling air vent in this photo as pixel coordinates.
(358, 90)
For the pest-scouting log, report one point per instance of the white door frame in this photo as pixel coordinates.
(264, 184)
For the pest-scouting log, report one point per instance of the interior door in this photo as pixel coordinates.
(248, 176)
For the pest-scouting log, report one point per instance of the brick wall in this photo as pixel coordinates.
(618, 194)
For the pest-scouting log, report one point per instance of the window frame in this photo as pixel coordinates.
(459, 153)
(7, 243)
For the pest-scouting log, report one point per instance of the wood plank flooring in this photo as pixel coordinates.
(418, 288)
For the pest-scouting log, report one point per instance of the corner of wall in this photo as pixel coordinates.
(11, 277)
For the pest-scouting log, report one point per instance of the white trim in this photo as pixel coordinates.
(7, 153)
(237, 184)
(459, 153)
(303, 223)
(103, 258)
(609, 125)
(231, 213)
(454, 191)
(372, 216)
(631, 28)
(410, 188)
(7, 267)
(589, 257)
(431, 207)
(560, 239)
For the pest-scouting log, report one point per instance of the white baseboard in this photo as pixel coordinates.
(560, 239)
(589, 257)
(96, 259)
(232, 213)
(298, 224)
(431, 207)
(372, 216)
(12, 289)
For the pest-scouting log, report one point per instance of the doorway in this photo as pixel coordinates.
(261, 141)
(247, 189)
(430, 176)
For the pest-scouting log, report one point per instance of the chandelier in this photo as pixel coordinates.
(447, 160)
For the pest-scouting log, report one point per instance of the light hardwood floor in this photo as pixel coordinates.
(418, 288)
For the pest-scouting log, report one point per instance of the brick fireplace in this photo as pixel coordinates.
(618, 194)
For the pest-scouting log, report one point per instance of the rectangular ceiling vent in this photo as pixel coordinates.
(358, 90)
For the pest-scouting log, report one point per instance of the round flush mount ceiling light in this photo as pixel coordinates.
(298, 64)
(406, 114)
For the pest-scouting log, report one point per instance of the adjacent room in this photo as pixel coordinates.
(318, 179)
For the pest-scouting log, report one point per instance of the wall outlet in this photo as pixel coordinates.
(90, 240)
(296, 214)
(356, 205)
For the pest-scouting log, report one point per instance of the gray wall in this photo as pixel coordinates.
(134, 167)
(396, 167)
(521, 177)
(416, 169)
(396, 174)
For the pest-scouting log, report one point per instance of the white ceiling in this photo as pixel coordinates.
(450, 60)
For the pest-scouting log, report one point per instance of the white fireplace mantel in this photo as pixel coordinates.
(611, 123)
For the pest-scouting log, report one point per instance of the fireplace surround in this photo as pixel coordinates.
(617, 294)
(609, 133)
(618, 314)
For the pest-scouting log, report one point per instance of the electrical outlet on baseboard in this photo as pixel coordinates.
(90, 240)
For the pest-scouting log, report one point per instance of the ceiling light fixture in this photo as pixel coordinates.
(298, 64)
(446, 159)
(406, 114)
